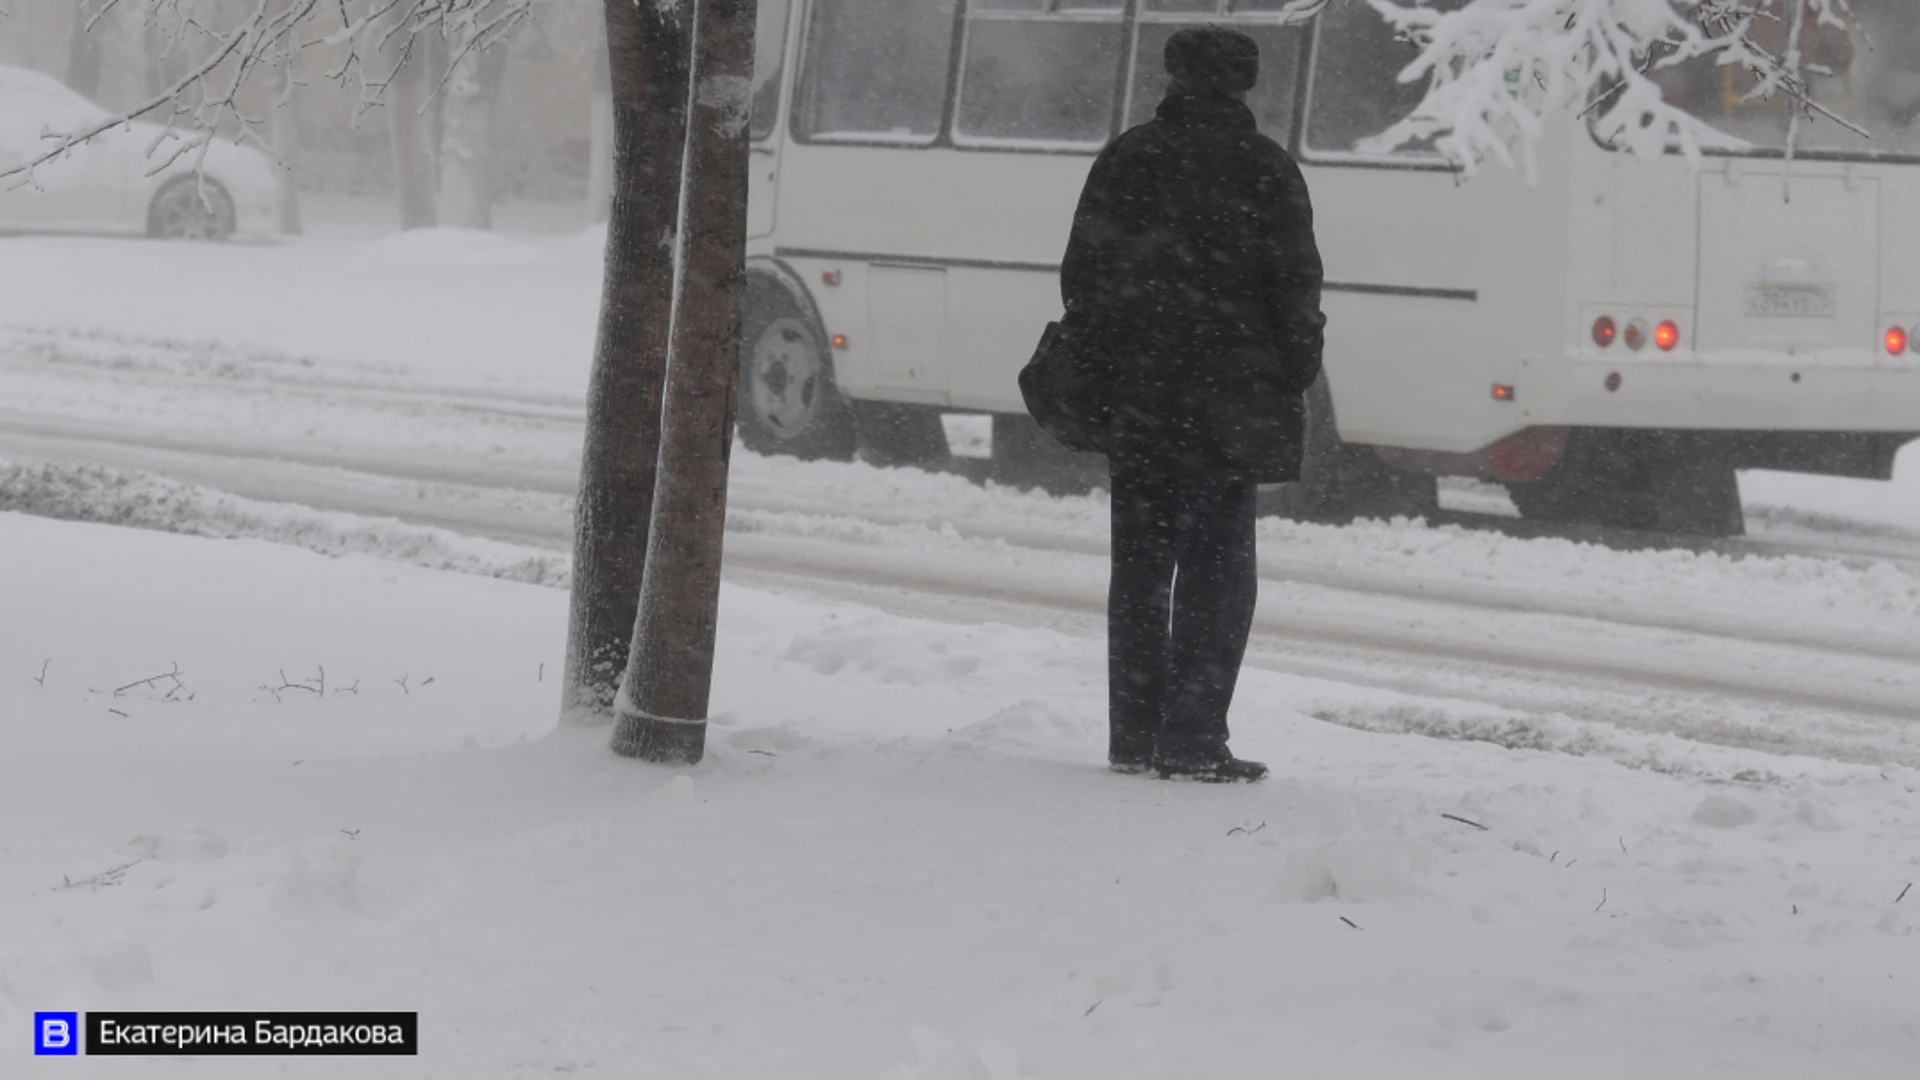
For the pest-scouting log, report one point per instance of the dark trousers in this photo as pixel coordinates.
(1179, 607)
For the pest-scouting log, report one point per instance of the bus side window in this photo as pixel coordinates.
(1040, 72)
(875, 69)
(769, 55)
(1280, 57)
(1355, 91)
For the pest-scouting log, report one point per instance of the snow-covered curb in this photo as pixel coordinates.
(145, 501)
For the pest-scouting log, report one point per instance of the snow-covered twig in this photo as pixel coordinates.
(1474, 56)
(317, 688)
(136, 684)
(260, 43)
(101, 880)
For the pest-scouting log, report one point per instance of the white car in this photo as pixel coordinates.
(122, 180)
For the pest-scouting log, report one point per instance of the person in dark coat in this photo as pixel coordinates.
(1192, 265)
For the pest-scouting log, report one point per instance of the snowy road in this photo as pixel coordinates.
(1709, 648)
(1798, 638)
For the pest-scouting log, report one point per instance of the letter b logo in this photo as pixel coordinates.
(56, 1033)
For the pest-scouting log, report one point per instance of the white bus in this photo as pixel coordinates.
(1612, 341)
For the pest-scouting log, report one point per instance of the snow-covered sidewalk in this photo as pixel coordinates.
(901, 858)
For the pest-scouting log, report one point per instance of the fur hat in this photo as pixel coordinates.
(1212, 59)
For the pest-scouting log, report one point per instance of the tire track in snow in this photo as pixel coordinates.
(1779, 698)
(473, 499)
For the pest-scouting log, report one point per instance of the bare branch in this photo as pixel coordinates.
(259, 44)
(174, 675)
(103, 879)
(318, 688)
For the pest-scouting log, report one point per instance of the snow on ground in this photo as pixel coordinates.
(440, 306)
(901, 858)
(1695, 769)
(1544, 644)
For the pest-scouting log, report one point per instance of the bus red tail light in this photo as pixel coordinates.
(1603, 331)
(1666, 335)
(1896, 340)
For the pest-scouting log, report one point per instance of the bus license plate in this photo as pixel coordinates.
(1791, 301)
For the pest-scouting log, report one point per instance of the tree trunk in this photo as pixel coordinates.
(83, 49)
(648, 49)
(406, 100)
(286, 141)
(466, 144)
(600, 141)
(662, 710)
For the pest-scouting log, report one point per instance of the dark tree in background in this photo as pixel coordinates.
(285, 133)
(600, 135)
(467, 99)
(648, 51)
(662, 709)
(405, 63)
(83, 47)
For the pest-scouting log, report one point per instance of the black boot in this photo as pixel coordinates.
(1208, 768)
(1129, 758)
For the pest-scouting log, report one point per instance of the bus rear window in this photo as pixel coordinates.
(1862, 63)
(1031, 75)
(875, 70)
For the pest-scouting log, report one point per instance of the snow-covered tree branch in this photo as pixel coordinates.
(1496, 69)
(226, 48)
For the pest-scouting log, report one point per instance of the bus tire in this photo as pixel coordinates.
(1602, 480)
(1698, 496)
(1342, 482)
(788, 401)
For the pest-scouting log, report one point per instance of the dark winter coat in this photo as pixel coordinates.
(1192, 265)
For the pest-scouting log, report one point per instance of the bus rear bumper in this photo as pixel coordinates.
(1678, 393)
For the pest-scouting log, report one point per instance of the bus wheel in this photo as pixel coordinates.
(1636, 480)
(1699, 496)
(1601, 480)
(788, 402)
(1571, 497)
(1341, 482)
